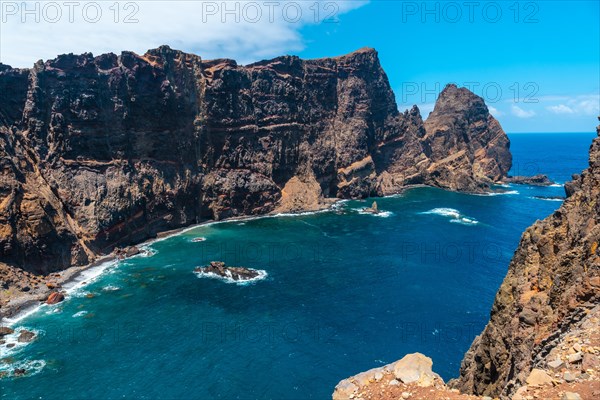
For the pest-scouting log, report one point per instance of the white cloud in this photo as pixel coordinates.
(520, 113)
(495, 112)
(561, 109)
(589, 107)
(587, 104)
(245, 30)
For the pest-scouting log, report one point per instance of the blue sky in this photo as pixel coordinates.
(537, 63)
(552, 58)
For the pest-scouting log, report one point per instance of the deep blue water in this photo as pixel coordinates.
(345, 292)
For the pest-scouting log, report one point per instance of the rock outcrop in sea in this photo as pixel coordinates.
(536, 180)
(99, 153)
(236, 274)
(543, 337)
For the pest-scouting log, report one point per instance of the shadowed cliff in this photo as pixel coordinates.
(99, 152)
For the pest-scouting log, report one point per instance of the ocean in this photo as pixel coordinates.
(343, 292)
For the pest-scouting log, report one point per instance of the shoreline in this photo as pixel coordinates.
(26, 303)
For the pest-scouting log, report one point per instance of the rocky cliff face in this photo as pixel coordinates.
(99, 152)
(553, 282)
(461, 121)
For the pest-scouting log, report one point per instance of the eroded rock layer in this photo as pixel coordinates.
(99, 152)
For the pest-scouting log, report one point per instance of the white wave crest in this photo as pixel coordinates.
(381, 214)
(444, 212)
(31, 367)
(546, 199)
(455, 215)
(13, 341)
(508, 192)
(464, 221)
(79, 314)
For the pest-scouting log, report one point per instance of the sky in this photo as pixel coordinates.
(536, 63)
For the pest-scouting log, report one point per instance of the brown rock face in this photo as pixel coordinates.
(553, 282)
(103, 152)
(480, 149)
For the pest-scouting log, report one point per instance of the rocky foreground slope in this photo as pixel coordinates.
(543, 337)
(101, 152)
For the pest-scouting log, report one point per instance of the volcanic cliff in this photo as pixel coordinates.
(101, 152)
(543, 337)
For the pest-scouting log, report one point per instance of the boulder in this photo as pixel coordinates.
(373, 209)
(556, 364)
(55, 297)
(25, 336)
(570, 396)
(575, 358)
(415, 368)
(126, 252)
(538, 377)
(4, 330)
(344, 390)
(569, 376)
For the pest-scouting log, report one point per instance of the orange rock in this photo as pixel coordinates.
(55, 297)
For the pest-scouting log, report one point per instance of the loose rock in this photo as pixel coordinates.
(538, 377)
(574, 358)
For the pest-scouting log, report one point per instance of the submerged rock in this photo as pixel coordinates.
(236, 273)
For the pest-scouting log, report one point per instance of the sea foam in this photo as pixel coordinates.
(31, 367)
(73, 288)
(13, 339)
(262, 274)
(455, 216)
(546, 199)
(380, 214)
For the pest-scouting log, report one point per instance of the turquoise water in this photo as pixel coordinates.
(345, 292)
